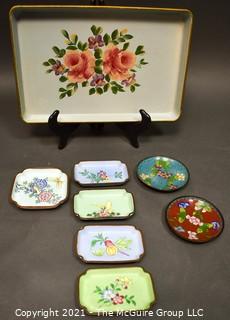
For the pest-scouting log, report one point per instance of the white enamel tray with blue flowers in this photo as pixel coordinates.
(101, 173)
(100, 63)
(40, 188)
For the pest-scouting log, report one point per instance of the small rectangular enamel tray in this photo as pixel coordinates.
(100, 173)
(109, 244)
(40, 188)
(116, 289)
(103, 204)
(100, 63)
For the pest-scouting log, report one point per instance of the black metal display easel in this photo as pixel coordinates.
(131, 129)
(97, 2)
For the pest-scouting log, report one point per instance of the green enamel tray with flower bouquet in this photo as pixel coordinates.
(116, 289)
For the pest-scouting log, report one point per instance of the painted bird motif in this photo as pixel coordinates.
(112, 248)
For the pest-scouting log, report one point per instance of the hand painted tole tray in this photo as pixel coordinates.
(116, 289)
(194, 219)
(99, 63)
(162, 173)
(109, 244)
(100, 173)
(40, 188)
(103, 204)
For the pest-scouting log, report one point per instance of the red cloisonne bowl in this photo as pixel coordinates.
(194, 219)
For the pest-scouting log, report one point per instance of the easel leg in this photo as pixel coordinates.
(133, 130)
(62, 130)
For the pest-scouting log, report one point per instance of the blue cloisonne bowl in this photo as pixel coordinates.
(163, 173)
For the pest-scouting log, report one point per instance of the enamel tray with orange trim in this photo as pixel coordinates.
(38, 188)
(109, 244)
(100, 63)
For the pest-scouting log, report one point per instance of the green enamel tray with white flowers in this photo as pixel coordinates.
(116, 289)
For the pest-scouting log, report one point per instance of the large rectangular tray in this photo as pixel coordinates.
(152, 43)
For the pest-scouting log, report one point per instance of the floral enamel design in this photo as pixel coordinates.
(115, 293)
(40, 190)
(100, 176)
(161, 168)
(103, 63)
(105, 211)
(102, 245)
(196, 219)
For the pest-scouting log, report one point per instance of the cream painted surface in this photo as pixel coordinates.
(164, 34)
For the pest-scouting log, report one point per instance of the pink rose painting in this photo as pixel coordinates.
(45, 196)
(80, 65)
(118, 63)
(104, 63)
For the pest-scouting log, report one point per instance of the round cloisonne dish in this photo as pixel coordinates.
(194, 219)
(163, 173)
